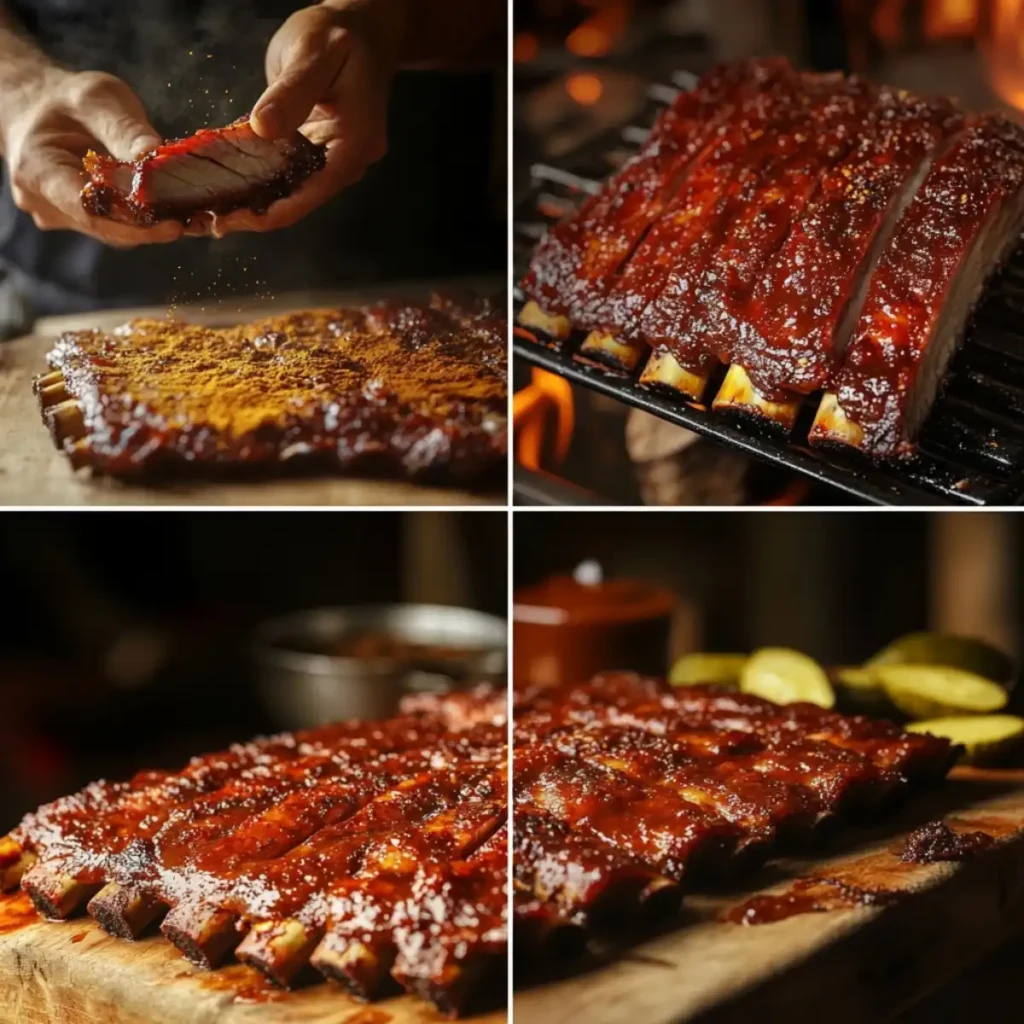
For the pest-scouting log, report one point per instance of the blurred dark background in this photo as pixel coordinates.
(125, 639)
(836, 585)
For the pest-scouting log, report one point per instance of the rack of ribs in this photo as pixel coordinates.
(370, 851)
(215, 171)
(821, 237)
(626, 792)
(411, 390)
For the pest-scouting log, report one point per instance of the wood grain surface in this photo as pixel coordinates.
(74, 973)
(33, 472)
(849, 966)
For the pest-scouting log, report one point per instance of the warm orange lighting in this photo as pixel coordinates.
(546, 395)
(1003, 45)
(596, 36)
(887, 22)
(585, 89)
(525, 48)
(950, 19)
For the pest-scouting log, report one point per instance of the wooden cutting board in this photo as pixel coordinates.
(846, 966)
(33, 472)
(74, 973)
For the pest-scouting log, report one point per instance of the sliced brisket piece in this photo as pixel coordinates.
(573, 265)
(964, 221)
(217, 170)
(695, 316)
(801, 314)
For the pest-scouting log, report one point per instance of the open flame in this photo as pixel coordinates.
(547, 398)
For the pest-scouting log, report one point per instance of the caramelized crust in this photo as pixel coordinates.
(625, 789)
(416, 391)
(383, 842)
(577, 260)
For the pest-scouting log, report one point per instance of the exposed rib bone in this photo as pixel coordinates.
(125, 912)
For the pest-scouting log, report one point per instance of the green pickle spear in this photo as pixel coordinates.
(984, 737)
(785, 676)
(701, 667)
(934, 691)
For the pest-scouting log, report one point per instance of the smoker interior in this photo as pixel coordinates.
(971, 450)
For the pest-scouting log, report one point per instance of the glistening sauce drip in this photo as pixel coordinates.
(16, 912)
(807, 896)
(936, 841)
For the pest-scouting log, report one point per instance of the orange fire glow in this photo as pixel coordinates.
(585, 89)
(940, 20)
(1003, 44)
(596, 36)
(544, 397)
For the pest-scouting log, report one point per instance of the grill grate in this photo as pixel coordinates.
(971, 450)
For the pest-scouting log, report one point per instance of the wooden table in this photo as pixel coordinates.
(847, 966)
(33, 472)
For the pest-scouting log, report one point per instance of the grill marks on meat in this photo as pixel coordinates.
(217, 170)
(624, 791)
(412, 390)
(826, 235)
(964, 221)
(372, 851)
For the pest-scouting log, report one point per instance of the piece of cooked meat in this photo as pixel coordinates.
(217, 170)
(624, 787)
(412, 390)
(578, 258)
(694, 316)
(800, 316)
(763, 250)
(297, 841)
(964, 221)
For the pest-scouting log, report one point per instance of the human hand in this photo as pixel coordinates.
(329, 70)
(46, 127)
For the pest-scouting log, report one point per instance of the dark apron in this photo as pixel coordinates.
(424, 211)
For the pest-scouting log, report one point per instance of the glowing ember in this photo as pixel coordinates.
(596, 36)
(585, 89)
(545, 396)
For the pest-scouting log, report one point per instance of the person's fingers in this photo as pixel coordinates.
(309, 66)
(115, 116)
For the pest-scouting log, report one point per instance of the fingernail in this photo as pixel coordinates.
(142, 145)
(268, 121)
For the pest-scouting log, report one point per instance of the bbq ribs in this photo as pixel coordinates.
(625, 792)
(376, 852)
(215, 171)
(410, 390)
(816, 234)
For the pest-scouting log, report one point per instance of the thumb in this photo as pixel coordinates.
(118, 121)
(305, 78)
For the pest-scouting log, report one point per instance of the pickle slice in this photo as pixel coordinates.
(961, 652)
(859, 689)
(784, 676)
(984, 737)
(934, 691)
(700, 667)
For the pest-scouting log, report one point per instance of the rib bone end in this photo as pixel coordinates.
(738, 394)
(663, 370)
(550, 324)
(279, 949)
(126, 913)
(831, 425)
(612, 351)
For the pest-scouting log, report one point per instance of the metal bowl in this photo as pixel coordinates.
(302, 688)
